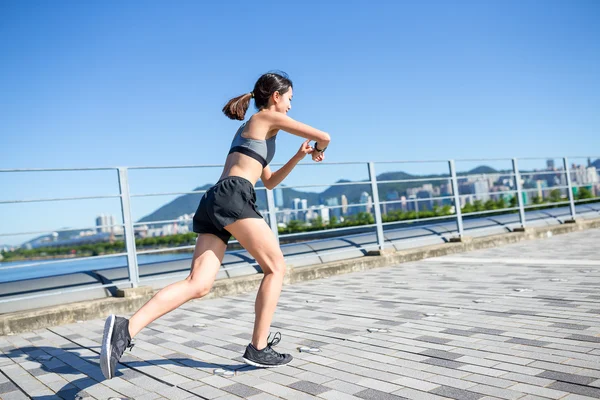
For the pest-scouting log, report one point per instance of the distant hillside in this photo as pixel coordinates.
(596, 164)
(484, 169)
(188, 203)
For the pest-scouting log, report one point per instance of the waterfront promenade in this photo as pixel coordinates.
(515, 322)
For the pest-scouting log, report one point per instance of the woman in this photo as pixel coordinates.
(229, 208)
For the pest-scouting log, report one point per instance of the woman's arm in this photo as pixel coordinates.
(281, 121)
(272, 179)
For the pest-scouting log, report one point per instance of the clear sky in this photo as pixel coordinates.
(138, 83)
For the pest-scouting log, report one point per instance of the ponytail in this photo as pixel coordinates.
(236, 108)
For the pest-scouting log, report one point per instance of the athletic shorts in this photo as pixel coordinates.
(230, 199)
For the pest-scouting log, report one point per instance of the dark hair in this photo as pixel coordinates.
(265, 86)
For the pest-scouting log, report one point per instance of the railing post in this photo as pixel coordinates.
(457, 209)
(570, 188)
(378, 219)
(519, 192)
(132, 264)
(272, 213)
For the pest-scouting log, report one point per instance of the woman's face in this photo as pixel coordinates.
(283, 102)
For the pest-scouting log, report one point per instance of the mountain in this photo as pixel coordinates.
(185, 204)
(596, 164)
(484, 169)
(188, 203)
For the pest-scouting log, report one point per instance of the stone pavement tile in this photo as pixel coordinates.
(378, 385)
(312, 377)
(414, 394)
(239, 389)
(342, 386)
(216, 381)
(283, 391)
(532, 380)
(496, 392)
(127, 388)
(15, 395)
(447, 355)
(576, 389)
(490, 380)
(519, 369)
(309, 387)
(454, 373)
(174, 393)
(7, 387)
(508, 358)
(175, 379)
(226, 397)
(577, 397)
(538, 391)
(451, 382)
(101, 391)
(373, 394)
(281, 379)
(335, 395)
(440, 362)
(263, 396)
(417, 384)
(567, 369)
(476, 369)
(148, 396)
(455, 393)
(208, 392)
(477, 361)
(571, 378)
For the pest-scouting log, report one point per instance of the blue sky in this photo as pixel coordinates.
(137, 83)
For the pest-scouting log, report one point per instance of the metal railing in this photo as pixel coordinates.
(453, 196)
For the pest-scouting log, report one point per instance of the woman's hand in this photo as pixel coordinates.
(317, 156)
(305, 149)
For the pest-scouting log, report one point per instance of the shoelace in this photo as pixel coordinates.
(274, 342)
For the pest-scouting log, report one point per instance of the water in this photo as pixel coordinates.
(50, 268)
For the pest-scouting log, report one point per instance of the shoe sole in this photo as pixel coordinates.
(106, 347)
(255, 364)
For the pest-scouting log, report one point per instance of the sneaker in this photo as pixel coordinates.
(267, 357)
(116, 339)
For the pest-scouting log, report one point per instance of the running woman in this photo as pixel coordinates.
(229, 208)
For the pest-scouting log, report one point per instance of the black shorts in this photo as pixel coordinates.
(230, 199)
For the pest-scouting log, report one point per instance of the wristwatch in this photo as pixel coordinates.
(319, 150)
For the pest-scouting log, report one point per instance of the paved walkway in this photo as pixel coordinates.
(517, 322)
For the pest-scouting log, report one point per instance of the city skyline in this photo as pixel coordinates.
(480, 187)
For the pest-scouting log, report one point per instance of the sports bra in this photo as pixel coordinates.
(261, 150)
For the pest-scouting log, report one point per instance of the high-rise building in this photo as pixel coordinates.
(481, 189)
(344, 204)
(540, 186)
(333, 202)
(278, 193)
(413, 204)
(364, 199)
(104, 223)
(304, 206)
(550, 164)
(296, 204)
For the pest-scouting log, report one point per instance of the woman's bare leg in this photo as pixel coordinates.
(257, 238)
(208, 256)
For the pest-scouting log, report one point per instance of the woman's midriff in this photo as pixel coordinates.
(238, 164)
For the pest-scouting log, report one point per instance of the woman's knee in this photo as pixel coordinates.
(275, 266)
(199, 289)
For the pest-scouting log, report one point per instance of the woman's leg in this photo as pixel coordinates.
(208, 256)
(257, 238)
